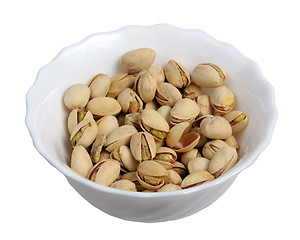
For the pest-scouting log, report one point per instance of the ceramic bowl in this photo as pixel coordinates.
(100, 53)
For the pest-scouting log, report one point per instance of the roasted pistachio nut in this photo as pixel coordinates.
(196, 179)
(215, 127)
(74, 118)
(120, 136)
(133, 119)
(165, 112)
(125, 157)
(166, 154)
(105, 172)
(166, 165)
(223, 160)
(204, 105)
(231, 141)
(210, 148)
(77, 96)
(120, 82)
(99, 85)
(130, 101)
(107, 124)
(169, 188)
(80, 161)
(208, 75)
(172, 177)
(145, 85)
(154, 123)
(103, 106)
(157, 72)
(237, 119)
(167, 94)
(159, 144)
(180, 169)
(192, 91)
(177, 74)
(188, 156)
(97, 148)
(131, 176)
(124, 184)
(184, 110)
(151, 105)
(198, 164)
(142, 146)
(85, 132)
(104, 155)
(222, 99)
(202, 140)
(136, 60)
(151, 175)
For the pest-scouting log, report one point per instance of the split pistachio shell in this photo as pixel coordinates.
(215, 127)
(167, 94)
(97, 148)
(146, 87)
(104, 106)
(169, 188)
(104, 155)
(211, 147)
(159, 144)
(198, 164)
(237, 119)
(231, 141)
(74, 118)
(222, 99)
(192, 91)
(133, 119)
(208, 75)
(154, 123)
(130, 101)
(177, 74)
(151, 175)
(80, 161)
(158, 73)
(107, 124)
(180, 169)
(125, 157)
(77, 96)
(166, 165)
(166, 154)
(151, 105)
(196, 179)
(202, 140)
(120, 136)
(188, 156)
(136, 60)
(120, 82)
(99, 85)
(173, 177)
(142, 146)
(131, 176)
(184, 110)
(223, 160)
(165, 112)
(124, 184)
(108, 172)
(204, 105)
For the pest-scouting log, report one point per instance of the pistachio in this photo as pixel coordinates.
(133, 119)
(104, 106)
(237, 119)
(97, 148)
(99, 85)
(198, 164)
(188, 156)
(145, 85)
(196, 179)
(142, 146)
(107, 124)
(215, 127)
(180, 169)
(74, 118)
(166, 154)
(204, 105)
(80, 161)
(104, 155)
(231, 141)
(222, 99)
(177, 74)
(124, 184)
(151, 105)
(184, 110)
(158, 73)
(130, 101)
(165, 112)
(173, 177)
(211, 147)
(167, 94)
(106, 172)
(77, 96)
(120, 82)
(131, 176)
(192, 91)
(169, 188)
(125, 157)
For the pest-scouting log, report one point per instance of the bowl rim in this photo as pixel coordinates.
(69, 174)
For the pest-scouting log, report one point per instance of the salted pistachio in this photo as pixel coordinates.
(124, 184)
(180, 139)
(105, 172)
(77, 96)
(177, 74)
(159, 144)
(196, 179)
(222, 99)
(215, 127)
(237, 120)
(198, 164)
(223, 160)
(211, 147)
(138, 59)
(152, 105)
(107, 124)
(167, 94)
(80, 161)
(166, 165)
(151, 175)
(120, 82)
(192, 91)
(231, 141)
(154, 123)
(142, 146)
(120, 136)
(166, 154)
(172, 177)
(99, 85)
(85, 132)
(157, 72)
(74, 118)
(125, 157)
(104, 155)
(188, 156)
(131, 176)
(208, 75)
(145, 86)
(180, 169)
(165, 112)
(184, 110)
(204, 105)
(103, 106)
(169, 188)
(130, 101)
(97, 148)
(133, 119)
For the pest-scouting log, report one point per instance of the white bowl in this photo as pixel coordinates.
(101, 52)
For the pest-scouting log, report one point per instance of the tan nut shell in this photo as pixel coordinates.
(133, 119)
(124, 184)
(198, 164)
(236, 127)
(180, 169)
(138, 59)
(196, 178)
(211, 147)
(172, 177)
(127, 161)
(175, 73)
(222, 99)
(104, 106)
(204, 105)
(136, 145)
(192, 91)
(169, 188)
(231, 141)
(96, 148)
(80, 161)
(167, 94)
(99, 85)
(108, 172)
(184, 110)
(158, 73)
(107, 124)
(152, 105)
(130, 101)
(72, 120)
(208, 75)
(165, 112)
(77, 96)
(165, 151)
(145, 85)
(119, 82)
(215, 127)
(188, 156)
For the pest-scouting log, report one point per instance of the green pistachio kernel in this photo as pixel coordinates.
(159, 134)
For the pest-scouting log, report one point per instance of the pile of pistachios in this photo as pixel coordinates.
(153, 129)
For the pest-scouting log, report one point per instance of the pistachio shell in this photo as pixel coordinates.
(198, 164)
(166, 165)
(165, 112)
(215, 127)
(124, 185)
(108, 172)
(204, 105)
(130, 101)
(119, 82)
(169, 188)
(177, 74)
(211, 147)
(173, 177)
(97, 148)
(125, 157)
(166, 154)
(99, 85)
(159, 144)
(237, 119)
(184, 110)
(158, 73)
(136, 60)
(180, 169)
(231, 141)
(188, 156)
(151, 105)
(133, 119)
(131, 176)
(222, 99)
(192, 91)
(167, 94)
(80, 161)
(104, 155)
(146, 87)
(104, 106)
(77, 96)
(196, 179)
(142, 146)
(74, 118)
(107, 124)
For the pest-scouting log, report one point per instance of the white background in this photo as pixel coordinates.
(36, 201)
